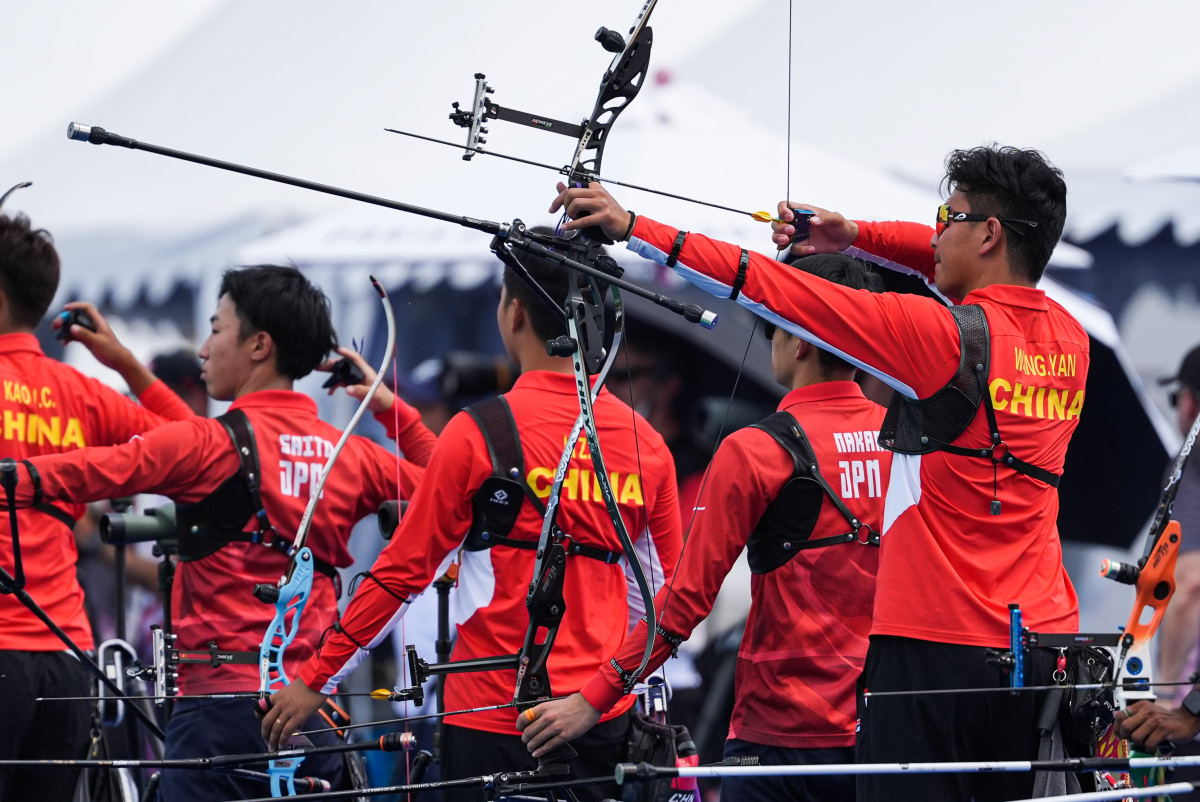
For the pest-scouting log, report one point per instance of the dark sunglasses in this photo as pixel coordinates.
(945, 217)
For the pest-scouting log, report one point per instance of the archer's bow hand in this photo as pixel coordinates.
(592, 206)
(828, 232)
(384, 398)
(555, 723)
(290, 707)
(1148, 724)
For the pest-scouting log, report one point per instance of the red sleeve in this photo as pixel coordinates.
(897, 245)
(114, 418)
(910, 342)
(437, 519)
(745, 474)
(161, 400)
(404, 426)
(663, 520)
(383, 476)
(185, 460)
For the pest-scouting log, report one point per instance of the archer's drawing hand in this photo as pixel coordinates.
(555, 723)
(602, 210)
(1148, 724)
(290, 708)
(828, 232)
(102, 342)
(383, 399)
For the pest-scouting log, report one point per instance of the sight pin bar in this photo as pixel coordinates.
(514, 234)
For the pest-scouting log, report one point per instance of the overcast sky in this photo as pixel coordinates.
(59, 55)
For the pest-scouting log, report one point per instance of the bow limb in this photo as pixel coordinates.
(295, 587)
(532, 680)
(601, 473)
(1154, 576)
(621, 83)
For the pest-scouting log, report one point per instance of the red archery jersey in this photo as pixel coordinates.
(186, 461)
(490, 596)
(948, 568)
(50, 408)
(806, 635)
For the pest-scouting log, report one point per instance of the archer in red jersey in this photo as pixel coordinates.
(492, 582)
(988, 394)
(47, 407)
(811, 599)
(271, 328)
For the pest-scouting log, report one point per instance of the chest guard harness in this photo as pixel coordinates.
(933, 424)
(497, 503)
(788, 522)
(221, 517)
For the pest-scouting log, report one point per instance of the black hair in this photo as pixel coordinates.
(286, 305)
(847, 271)
(553, 278)
(1017, 184)
(29, 269)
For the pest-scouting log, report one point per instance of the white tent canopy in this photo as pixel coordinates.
(666, 143)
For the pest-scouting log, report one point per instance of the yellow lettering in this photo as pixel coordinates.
(8, 391)
(1019, 399)
(1071, 362)
(14, 423)
(31, 431)
(632, 491)
(73, 436)
(47, 401)
(1076, 405)
(1056, 403)
(995, 387)
(596, 492)
(1039, 365)
(48, 429)
(1040, 395)
(584, 484)
(584, 451)
(570, 485)
(1053, 360)
(540, 479)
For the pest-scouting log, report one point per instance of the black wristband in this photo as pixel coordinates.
(1191, 702)
(743, 263)
(632, 220)
(676, 248)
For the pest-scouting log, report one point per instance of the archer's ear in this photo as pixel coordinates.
(994, 237)
(803, 348)
(263, 347)
(518, 314)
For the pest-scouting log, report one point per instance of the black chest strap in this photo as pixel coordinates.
(933, 424)
(786, 526)
(221, 517)
(497, 504)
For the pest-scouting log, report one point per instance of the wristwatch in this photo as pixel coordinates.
(1191, 702)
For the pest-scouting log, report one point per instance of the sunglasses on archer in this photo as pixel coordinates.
(945, 217)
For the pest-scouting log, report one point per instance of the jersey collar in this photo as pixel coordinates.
(549, 381)
(1010, 295)
(824, 391)
(19, 341)
(276, 398)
